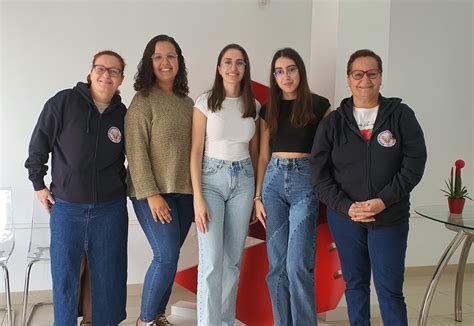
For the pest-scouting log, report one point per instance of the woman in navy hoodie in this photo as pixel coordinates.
(367, 157)
(82, 128)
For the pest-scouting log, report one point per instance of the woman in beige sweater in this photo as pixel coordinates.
(158, 142)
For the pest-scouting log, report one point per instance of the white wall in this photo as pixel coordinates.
(430, 66)
(47, 46)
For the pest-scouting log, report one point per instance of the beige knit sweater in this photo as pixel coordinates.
(158, 144)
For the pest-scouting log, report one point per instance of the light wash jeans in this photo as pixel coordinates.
(228, 189)
(292, 212)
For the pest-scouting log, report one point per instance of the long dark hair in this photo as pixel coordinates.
(111, 53)
(217, 93)
(145, 78)
(302, 113)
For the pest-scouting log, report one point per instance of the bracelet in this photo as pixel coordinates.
(257, 198)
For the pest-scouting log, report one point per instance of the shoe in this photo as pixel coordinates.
(151, 323)
(161, 320)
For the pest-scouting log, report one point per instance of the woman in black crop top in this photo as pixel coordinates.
(284, 201)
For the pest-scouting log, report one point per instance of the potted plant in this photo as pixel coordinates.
(456, 192)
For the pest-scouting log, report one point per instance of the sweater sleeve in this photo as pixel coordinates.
(413, 161)
(138, 122)
(41, 144)
(325, 187)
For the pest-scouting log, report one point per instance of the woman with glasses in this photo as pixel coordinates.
(367, 157)
(82, 128)
(284, 202)
(158, 132)
(223, 158)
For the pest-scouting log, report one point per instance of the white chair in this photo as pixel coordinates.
(38, 251)
(7, 243)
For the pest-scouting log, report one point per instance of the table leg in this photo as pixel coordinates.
(460, 277)
(435, 279)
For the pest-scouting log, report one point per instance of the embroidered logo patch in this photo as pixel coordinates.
(385, 138)
(114, 135)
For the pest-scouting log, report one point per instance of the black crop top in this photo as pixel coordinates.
(290, 139)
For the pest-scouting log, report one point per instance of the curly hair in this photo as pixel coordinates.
(145, 78)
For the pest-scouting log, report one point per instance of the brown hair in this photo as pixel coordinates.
(145, 78)
(363, 53)
(111, 53)
(217, 93)
(302, 113)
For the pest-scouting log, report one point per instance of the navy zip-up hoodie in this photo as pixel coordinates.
(87, 148)
(347, 168)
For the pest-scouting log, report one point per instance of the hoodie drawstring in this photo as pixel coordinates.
(89, 115)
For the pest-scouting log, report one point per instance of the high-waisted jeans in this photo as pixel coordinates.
(99, 231)
(292, 212)
(165, 241)
(228, 189)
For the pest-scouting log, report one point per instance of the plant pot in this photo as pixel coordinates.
(456, 205)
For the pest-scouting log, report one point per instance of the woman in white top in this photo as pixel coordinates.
(224, 129)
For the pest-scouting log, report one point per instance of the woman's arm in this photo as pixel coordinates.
(254, 145)
(413, 159)
(41, 144)
(201, 211)
(263, 159)
(325, 187)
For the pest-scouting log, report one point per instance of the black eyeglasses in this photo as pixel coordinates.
(113, 72)
(359, 74)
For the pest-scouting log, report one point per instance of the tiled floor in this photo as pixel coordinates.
(441, 312)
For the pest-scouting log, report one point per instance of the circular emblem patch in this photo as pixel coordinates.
(385, 138)
(114, 135)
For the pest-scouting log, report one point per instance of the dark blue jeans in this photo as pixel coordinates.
(165, 241)
(380, 251)
(99, 231)
(292, 212)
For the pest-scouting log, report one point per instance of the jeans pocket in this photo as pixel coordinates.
(303, 170)
(209, 168)
(248, 170)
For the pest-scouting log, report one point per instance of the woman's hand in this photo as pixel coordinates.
(159, 209)
(366, 211)
(201, 214)
(260, 212)
(46, 199)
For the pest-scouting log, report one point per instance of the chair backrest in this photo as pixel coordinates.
(40, 233)
(7, 231)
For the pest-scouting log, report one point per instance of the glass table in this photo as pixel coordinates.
(463, 225)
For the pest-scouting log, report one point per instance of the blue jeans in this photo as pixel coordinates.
(292, 212)
(99, 231)
(381, 250)
(228, 189)
(165, 241)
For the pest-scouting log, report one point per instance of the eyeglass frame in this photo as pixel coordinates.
(170, 57)
(110, 70)
(290, 72)
(365, 72)
(228, 63)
